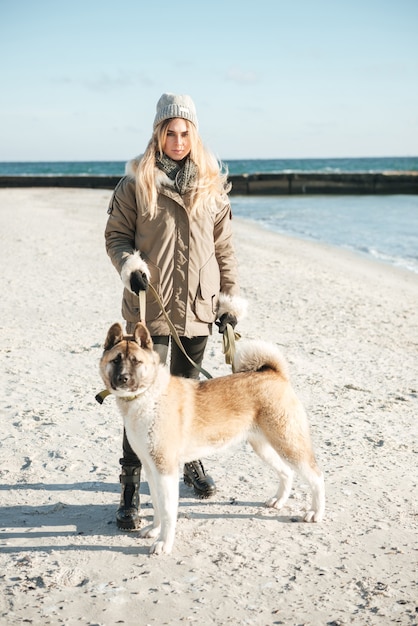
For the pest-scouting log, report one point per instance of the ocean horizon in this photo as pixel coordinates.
(235, 166)
(381, 227)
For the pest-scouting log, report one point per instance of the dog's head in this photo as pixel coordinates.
(129, 364)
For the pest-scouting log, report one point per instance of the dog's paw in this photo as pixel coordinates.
(160, 547)
(275, 503)
(313, 516)
(149, 532)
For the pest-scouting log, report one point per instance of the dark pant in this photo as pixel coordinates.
(179, 366)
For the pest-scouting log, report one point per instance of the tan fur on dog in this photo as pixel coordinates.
(171, 420)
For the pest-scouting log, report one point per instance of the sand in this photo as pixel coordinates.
(349, 329)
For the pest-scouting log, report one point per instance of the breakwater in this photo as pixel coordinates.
(257, 184)
(321, 183)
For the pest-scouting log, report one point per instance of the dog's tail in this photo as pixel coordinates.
(253, 356)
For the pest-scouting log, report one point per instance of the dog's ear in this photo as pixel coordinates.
(142, 336)
(114, 336)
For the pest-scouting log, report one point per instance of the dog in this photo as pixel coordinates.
(171, 420)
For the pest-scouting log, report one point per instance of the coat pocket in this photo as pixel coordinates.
(208, 291)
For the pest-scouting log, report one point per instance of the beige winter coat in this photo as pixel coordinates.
(189, 259)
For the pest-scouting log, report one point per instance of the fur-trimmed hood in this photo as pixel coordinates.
(131, 166)
(161, 179)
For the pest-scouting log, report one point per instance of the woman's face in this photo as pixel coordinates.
(177, 143)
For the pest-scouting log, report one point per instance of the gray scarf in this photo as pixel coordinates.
(182, 173)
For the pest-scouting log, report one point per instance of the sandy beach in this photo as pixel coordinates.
(349, 330)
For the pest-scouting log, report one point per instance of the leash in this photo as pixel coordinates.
(171, 326)
(228, 339)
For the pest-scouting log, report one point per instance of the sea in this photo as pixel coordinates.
(382, 227)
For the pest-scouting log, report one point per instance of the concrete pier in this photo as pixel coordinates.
(308, 183)
(312, 183)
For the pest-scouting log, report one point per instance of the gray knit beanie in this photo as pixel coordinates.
(170, 105)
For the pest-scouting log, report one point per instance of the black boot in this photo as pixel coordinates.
(194, 475)
(127, 515)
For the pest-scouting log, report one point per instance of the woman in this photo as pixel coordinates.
(170, 225)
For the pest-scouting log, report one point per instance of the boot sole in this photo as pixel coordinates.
(128, 525)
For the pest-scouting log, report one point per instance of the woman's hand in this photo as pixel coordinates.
(226, 318)
(138, 282)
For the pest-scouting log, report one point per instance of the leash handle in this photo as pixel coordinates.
(142, 306)
(228, 344)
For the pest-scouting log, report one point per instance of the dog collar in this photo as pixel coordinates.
(103, 394)
(130, 398)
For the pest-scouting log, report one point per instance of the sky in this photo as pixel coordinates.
(270, 79)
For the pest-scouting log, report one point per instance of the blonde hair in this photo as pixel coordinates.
(209, 187)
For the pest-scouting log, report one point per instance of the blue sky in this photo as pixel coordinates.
(294, 79)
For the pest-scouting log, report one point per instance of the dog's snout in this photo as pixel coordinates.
(122, 378)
